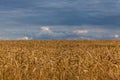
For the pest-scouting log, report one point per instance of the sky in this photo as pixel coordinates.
(59, 19)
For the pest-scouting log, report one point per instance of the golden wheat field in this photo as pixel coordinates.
(60, 60)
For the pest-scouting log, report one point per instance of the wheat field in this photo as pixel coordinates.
(60, 60)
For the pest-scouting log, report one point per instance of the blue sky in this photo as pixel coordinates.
(59, 19)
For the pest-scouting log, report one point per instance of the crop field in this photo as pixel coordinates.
(60, 60)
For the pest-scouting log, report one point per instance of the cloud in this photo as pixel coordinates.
(116, 36)
(62, 32)
(65, 12)
(66, 19)
(80, 31)
(46, 29)
(58, 32)
(24, 38)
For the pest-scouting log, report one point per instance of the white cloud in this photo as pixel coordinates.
(46, 29)
(80, 31)
(59, 32)
(24, 38)
(116, 36)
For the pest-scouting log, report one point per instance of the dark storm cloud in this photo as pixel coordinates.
(102, 14)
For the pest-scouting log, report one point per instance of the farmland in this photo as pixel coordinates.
(60, 60)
